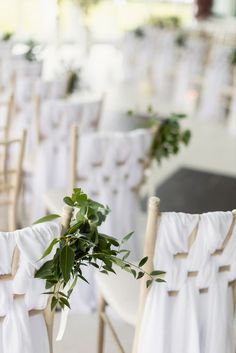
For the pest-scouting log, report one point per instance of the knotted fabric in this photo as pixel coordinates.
(193, 311)
(20, 333)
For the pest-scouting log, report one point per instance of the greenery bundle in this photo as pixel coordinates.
(74, 80)
(168, 135)
(139, 32)
(170, 22)
(7, 36)
(82, 245)
(33, 51)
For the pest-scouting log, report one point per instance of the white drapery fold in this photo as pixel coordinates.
(191, 321)
(24, 292)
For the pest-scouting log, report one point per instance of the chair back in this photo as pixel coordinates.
(198, 253)
(26, 318)
(7, 111)
(111, 167)
(56, 116)
(11, 162)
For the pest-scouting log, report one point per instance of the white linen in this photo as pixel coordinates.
(217, 76)
(17, 327)
(162, 67)
(190, 65)
(191, 322)
(110, 169)
(51, 162)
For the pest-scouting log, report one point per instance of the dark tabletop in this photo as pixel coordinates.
(195, 191)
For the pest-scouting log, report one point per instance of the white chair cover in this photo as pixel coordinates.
(190, 65)
(20, 333)
(163, 64)
(217, 76)
(110, 169)
(190, 321)
(52, 160)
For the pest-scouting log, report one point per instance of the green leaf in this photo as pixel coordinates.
(127, 237)
(48, 218)
(159, 280)
(54, 303)
(143, 261)
(45, 270)
(127, 253)
(72, 286)
(50, 247)
(65, 302)
(140, 275)
(149, 282)
(67, 257)
(157, 273)
(68, 201)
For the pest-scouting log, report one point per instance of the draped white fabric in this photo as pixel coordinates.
(20, 333)
(217, 76)
(56, 118)
(110, 169)
(163, 63)
(190, 65)
(190, 321)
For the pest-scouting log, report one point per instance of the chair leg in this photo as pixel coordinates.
(101, 325)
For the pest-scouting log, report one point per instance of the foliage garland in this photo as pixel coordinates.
(82, 245)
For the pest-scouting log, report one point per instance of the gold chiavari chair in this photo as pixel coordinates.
(47, 313)
(11, 162)
(127, 298)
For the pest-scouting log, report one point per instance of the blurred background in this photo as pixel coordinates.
(140, 73)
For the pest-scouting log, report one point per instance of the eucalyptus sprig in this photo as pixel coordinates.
(83, 245)
(168, 134)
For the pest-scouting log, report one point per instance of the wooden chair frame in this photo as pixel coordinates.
(47, 312)
(10, 103)
(153, 220)
(37, 108)
(149, 246)
(12, 189)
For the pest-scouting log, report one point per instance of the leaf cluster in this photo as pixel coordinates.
(168, 134)
(168, 22)
(86, 5)
(83, 245)
(181, 39)
(139, 32)
(33, 51)
(7, 36)
(74, 80)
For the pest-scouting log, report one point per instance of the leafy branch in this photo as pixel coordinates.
(168, 135)
(33, 51)
(82, 245)
(168, 22)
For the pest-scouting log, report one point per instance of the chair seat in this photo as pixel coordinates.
(53, 200)
(121, 292)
